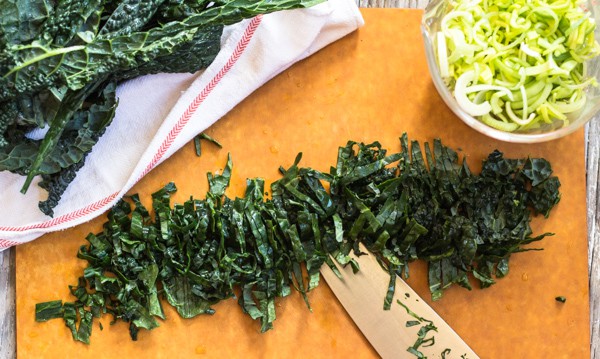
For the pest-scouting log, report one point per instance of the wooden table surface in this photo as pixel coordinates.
(7, 258)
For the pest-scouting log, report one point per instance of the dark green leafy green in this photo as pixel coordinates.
(130, 16)
(60, 60)
(427, 206)
(204, 136)
(49, 310)
(21, 20)
(70, 19)
(422, 341)
(412, 323)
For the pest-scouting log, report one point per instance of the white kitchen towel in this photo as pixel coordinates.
(158, 114)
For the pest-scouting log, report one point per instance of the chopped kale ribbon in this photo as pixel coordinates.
(426, 327)
(427, 206)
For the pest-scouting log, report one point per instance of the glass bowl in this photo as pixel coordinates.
(430, 25)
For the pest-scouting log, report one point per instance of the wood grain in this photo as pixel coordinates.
(7, 305)
(593, 217)
(7, 282)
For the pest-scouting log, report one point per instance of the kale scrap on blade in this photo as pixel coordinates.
(61, 60)
(403, 207)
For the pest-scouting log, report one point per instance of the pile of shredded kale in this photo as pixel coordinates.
(402, 207)
(60, 62)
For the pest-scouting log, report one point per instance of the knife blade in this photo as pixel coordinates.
(362, 294)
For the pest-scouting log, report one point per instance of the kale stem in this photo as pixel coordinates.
(46, 55)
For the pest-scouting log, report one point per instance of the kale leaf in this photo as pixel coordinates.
(57, 59)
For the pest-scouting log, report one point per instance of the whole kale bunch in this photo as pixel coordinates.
(60, 62)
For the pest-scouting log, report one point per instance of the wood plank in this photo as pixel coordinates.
(7, 304)
(593, 218)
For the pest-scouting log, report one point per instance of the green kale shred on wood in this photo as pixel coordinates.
(58, 58)
(422, 340)
(421, 203)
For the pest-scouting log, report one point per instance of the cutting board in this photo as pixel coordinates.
(370, 85)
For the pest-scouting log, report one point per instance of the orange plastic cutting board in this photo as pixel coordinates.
(371, 85)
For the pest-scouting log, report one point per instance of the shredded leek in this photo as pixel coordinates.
(517, 64)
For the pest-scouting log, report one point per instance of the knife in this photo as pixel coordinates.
(361, 294)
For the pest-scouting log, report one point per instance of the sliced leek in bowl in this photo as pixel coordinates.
(516, 70)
